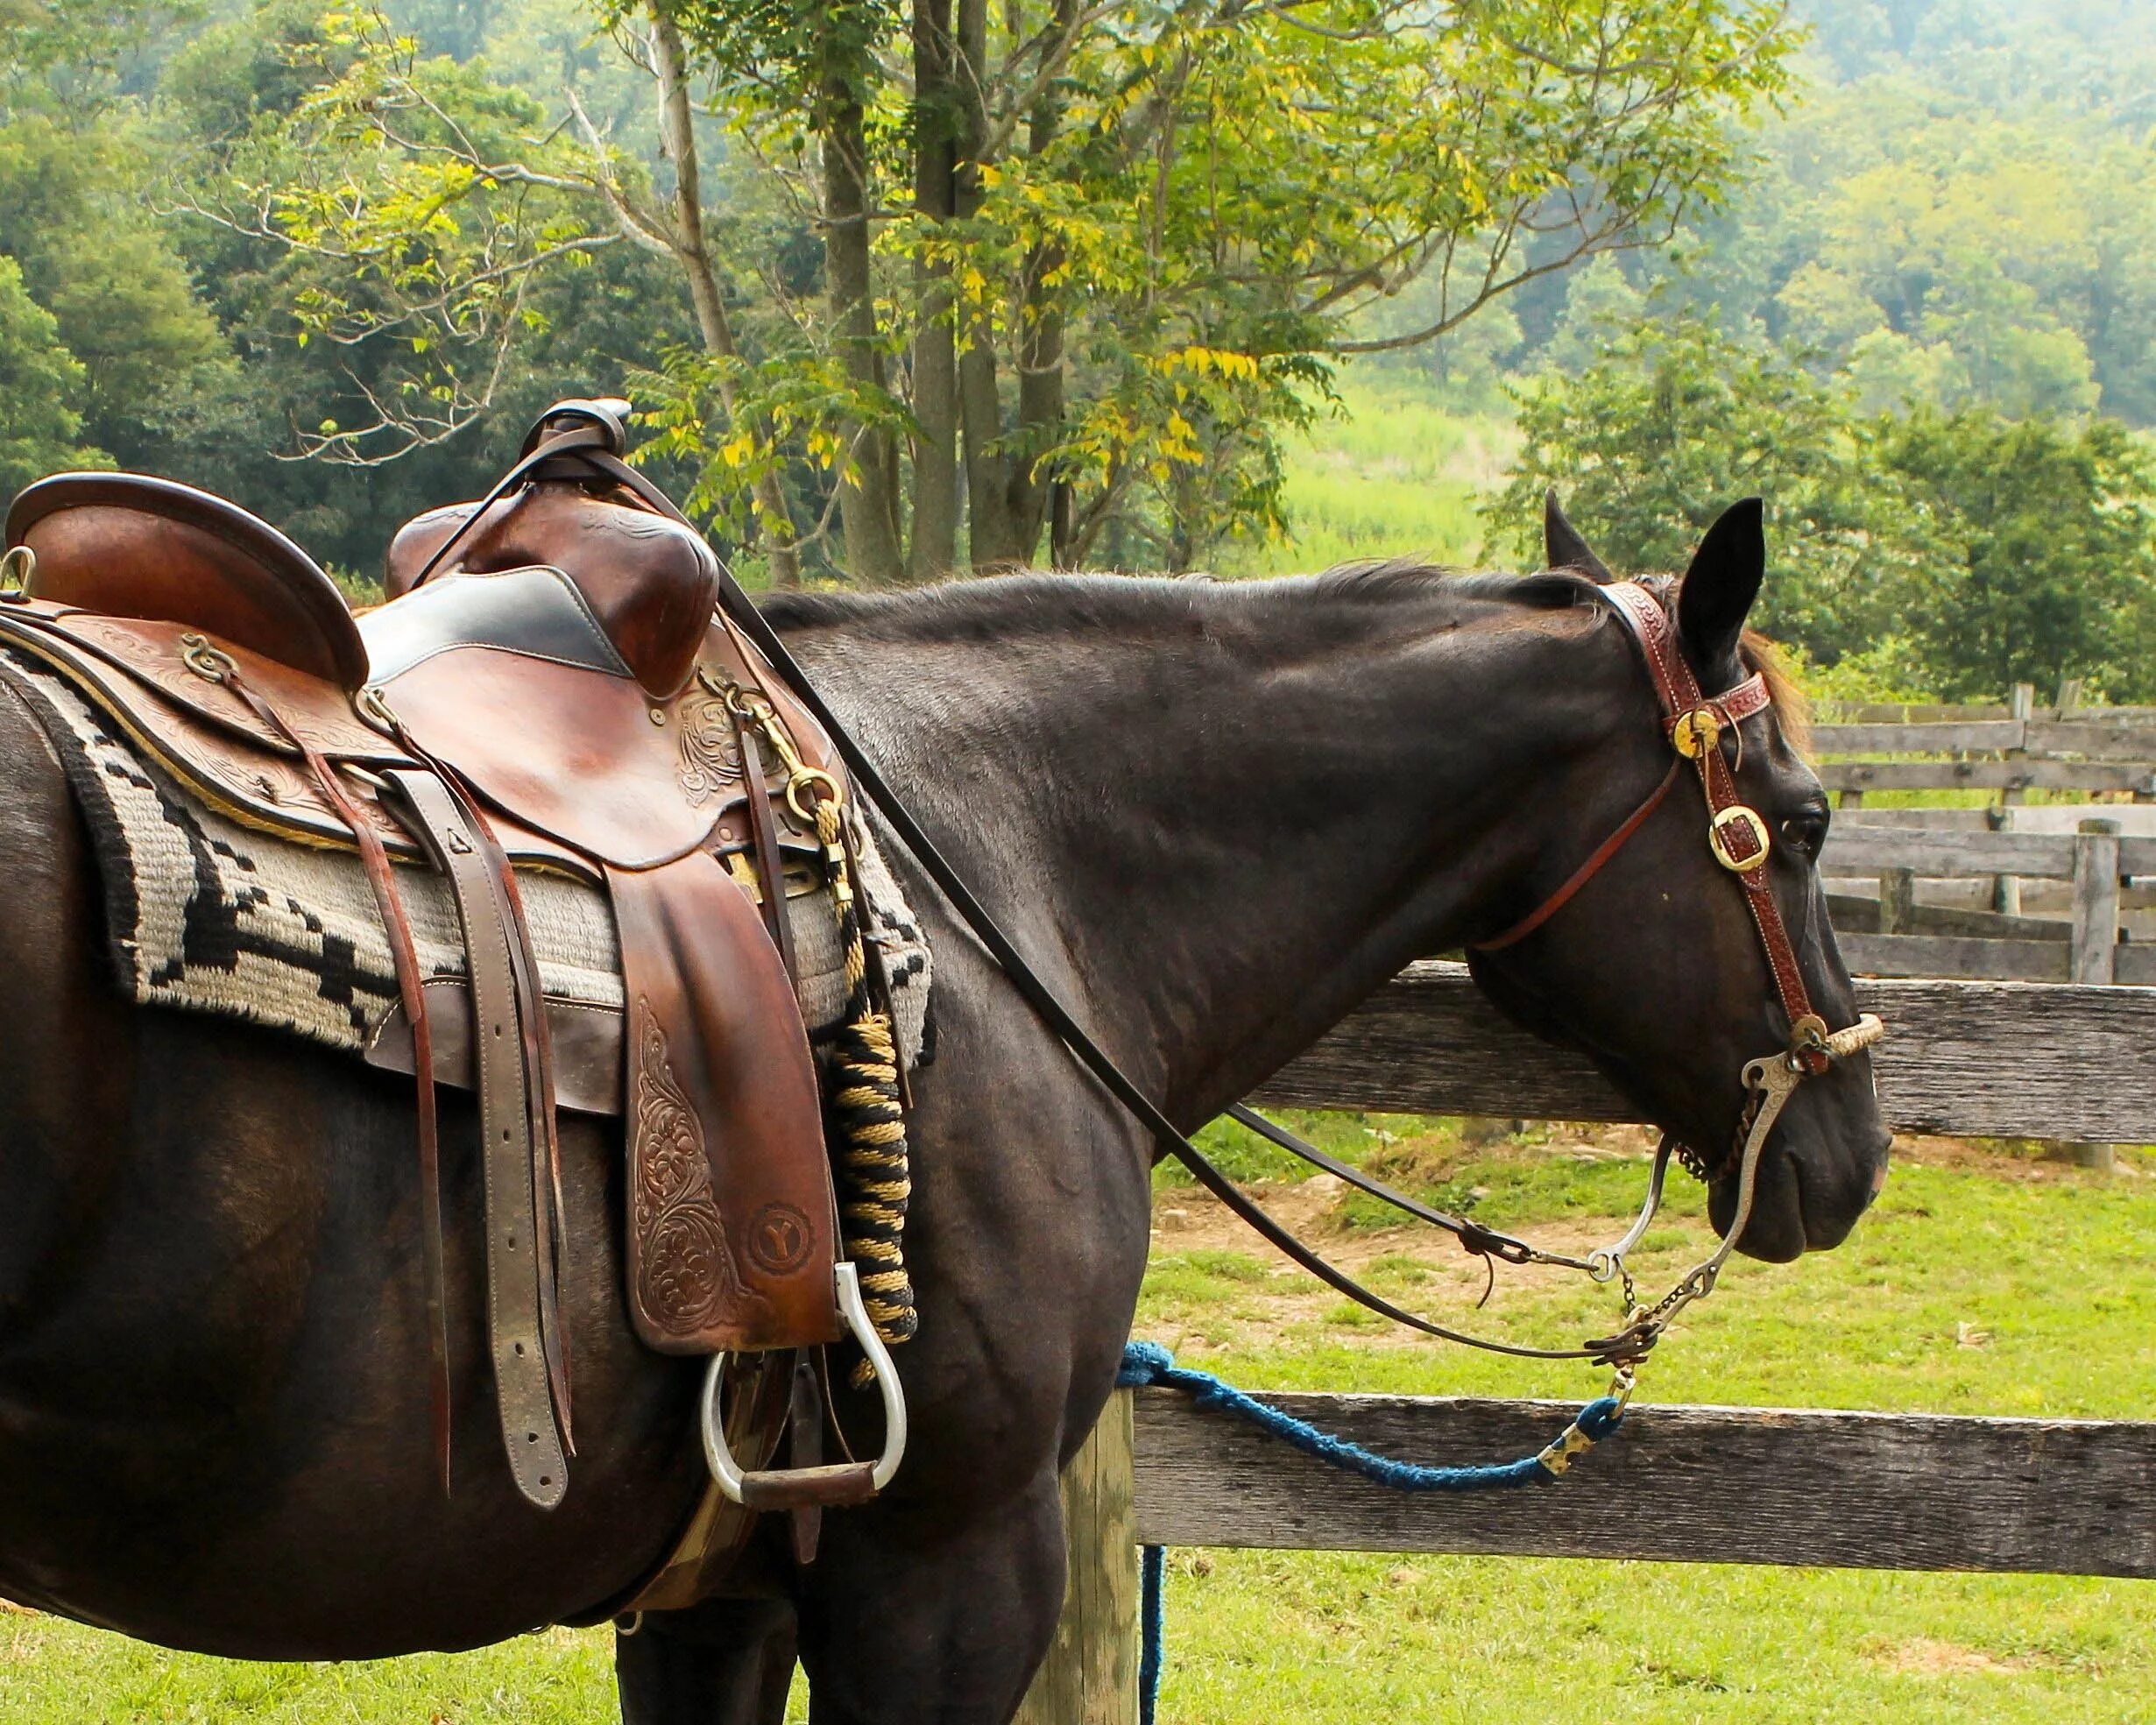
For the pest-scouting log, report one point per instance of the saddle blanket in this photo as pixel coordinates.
(206, 915)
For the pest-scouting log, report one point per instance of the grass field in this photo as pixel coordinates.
(1984, 1282)
(1398, 477)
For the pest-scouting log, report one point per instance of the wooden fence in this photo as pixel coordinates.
(2007, 750)
(1723, 1484)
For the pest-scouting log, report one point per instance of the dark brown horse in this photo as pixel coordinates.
(1215, 816)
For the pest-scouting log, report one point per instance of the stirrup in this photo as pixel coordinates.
(827, 1486)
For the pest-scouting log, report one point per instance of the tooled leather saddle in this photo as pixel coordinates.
(549, 684)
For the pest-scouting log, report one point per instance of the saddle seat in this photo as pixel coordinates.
(550, 685)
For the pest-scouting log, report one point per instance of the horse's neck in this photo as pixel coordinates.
(1227, 827)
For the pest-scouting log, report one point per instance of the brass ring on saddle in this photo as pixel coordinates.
(1738, 815)
(205, 661)
(811, 779)
(372, 706)
(18, 564)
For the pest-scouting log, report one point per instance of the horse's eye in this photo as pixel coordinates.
(1805, 833)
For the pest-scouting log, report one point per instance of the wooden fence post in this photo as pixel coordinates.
(2094, 950)
(2005, 888)
(1090, 1674)
(1898, 900)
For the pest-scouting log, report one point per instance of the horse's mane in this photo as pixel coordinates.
(1033, 603)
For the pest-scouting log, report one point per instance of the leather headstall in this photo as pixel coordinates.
(1698, 727)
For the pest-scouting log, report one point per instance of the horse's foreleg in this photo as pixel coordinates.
(726, 1662)
(912, 1615)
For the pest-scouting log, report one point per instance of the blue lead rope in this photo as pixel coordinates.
(1147, 1364)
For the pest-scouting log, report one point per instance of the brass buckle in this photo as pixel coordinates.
(1809, 1033)
(1737, 815)
(1696, 733)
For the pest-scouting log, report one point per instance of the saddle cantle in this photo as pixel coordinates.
(127, 544)
(548, 685)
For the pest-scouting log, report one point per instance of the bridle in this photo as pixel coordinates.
(1696, 728)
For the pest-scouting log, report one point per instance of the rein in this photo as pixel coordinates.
(1737, 835)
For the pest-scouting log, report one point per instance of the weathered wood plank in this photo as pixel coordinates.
(1963, 955)
(1897, 902)
(2020, 774)
(1090, 1674)
(2136, 820)
(1859, 847)
(1904, 712)
(1982, 736)
(1854, 915)
(1939, 820)
(1984, 1059)
(1710, 1484)
(2097, 857)
(2116, 736)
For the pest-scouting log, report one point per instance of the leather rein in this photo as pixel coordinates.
(1736, 834)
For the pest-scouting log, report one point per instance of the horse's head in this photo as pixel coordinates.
(1654, 965)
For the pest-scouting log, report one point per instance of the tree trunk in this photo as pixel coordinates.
(935, 548)
(1040, 358)
(774, 521)
(866, 502)
(994, 540)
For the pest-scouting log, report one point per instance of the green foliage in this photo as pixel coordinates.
(38, 378)
(108, 272)
(1959, 553)
(2000, 251)
(1673, 421)
(2047, 569)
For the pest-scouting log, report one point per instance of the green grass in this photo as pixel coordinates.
(1397, 477)
(1967, 1290)
(1999, 1286)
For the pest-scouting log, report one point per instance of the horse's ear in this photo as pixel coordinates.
(1718, 590)
(1562, 547)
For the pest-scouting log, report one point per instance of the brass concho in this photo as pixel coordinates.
(1695, 732)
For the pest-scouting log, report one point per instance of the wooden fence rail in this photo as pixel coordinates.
(1724, 1485)
(1679, 1484)
(1683, 1484)
(1976, 1059)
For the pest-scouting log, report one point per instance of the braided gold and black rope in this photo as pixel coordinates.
(866, 1114)
(867, 1121)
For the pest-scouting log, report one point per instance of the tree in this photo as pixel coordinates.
(1968, 550)
(38, 378)
(1675, 420)
(1079, 264)
(2048, 534)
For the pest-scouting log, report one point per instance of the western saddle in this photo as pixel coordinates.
(550, 683)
